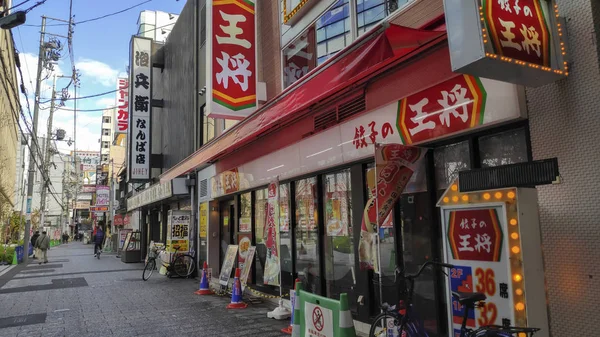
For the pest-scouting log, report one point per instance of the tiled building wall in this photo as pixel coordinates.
(269, 51)
(564, 123)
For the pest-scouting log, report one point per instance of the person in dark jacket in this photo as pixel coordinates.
(98, 239)
(34, 238)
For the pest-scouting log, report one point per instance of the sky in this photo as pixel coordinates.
(101, 53)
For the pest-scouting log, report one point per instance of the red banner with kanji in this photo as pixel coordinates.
(451, 106)
(394, 165)
(271, 272)
(518, 29)
(231, 85)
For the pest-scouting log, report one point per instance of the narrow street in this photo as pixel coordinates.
(75, 294)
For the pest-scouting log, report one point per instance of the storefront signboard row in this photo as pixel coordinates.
(150, 195)
(121, 119)
(461, 104)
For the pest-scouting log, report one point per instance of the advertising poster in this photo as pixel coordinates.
(336, 214)
(178, 231)
(395, 165)
(245, 277)
(476, 239)
(245, 224)
(271, 273)
(203, 218)
(228, 263)
(123, 236)
(102, 196)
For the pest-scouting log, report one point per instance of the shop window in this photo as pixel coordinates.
(106, 119)
(448, 161)
(503, 148)
(340, 274)
(370, 12)
(285, 238)
(307, 234)
(260, 216)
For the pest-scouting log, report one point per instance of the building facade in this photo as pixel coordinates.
(337, 83)
(156, 25)
(9, 132)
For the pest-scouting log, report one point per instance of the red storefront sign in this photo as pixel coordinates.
(118, 220)
(455, 105)
(233, 59)
(518, 30)
(122, 117)
(231, 181)
(475, 235)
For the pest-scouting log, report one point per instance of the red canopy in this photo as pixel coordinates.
(354, 63)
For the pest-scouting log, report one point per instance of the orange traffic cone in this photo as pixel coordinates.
(204, 288)
(289, 329)
(236, 294)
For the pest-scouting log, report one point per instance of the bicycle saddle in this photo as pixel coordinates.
(468, 298)
(386, 307)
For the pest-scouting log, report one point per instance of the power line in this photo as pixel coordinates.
(89, 96)
(15, 6)
(97, 18)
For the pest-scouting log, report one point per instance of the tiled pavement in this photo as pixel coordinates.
(78, 295)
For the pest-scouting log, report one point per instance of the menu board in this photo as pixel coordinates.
(476, 245)
(228, 263)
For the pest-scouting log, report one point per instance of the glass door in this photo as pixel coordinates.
(225, 223)
(307, 235)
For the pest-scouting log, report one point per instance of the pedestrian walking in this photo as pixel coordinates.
(43, 244)
(98, 240)
(34, 238)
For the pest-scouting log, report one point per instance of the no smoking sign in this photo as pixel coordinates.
(318, 321)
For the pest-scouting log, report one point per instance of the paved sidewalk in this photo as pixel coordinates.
(75, 294)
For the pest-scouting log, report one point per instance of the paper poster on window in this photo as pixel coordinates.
(336, 214)
(271, 272)
(245, 224)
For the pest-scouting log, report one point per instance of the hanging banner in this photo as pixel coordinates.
(271, 274)
(395, 165)
(231, 62)
(336, 213)
(203, 218)
(228, 263)
(139, 136)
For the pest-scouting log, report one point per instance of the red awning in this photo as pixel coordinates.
(354, 63)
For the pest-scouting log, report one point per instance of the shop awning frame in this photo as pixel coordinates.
(369, 56)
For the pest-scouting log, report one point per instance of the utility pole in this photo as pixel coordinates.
(36, 108)
(75, 150)
(48, 155)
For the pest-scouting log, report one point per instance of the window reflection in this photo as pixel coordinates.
(339, 244)
(285, 237)
(307, 234)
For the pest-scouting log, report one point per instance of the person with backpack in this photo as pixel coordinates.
(43, 244)
(98, 240)
(34, 238)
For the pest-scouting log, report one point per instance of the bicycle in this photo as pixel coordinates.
(182, 264)
(404, 322)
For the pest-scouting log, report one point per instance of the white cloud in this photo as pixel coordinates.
(99, 72)
(105, 102)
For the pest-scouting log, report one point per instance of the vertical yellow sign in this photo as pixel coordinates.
(203, 219)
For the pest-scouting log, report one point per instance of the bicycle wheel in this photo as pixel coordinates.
(184, 265)
(385, 321)
(149, 269)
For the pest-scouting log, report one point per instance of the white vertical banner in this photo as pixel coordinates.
(140, 103)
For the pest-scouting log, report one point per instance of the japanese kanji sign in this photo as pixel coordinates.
(121, 118)
(475, 235)
(452, 106)
(231, 75)
(518, 29)
(139, 137)
(300, 57)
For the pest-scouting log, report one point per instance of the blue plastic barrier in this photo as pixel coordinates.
(19, 250)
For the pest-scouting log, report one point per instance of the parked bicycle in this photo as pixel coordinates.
(180, 264)
(404, 322)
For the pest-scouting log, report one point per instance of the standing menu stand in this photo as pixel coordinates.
(131, 250)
